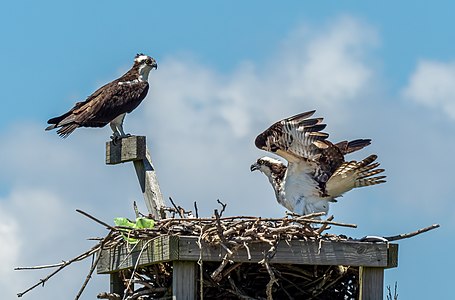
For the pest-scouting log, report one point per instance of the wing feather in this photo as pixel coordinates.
(293, 138)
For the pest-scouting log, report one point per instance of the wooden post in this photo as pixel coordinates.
(134, 148)
(184, 280)
(371, 283)
(116, 284)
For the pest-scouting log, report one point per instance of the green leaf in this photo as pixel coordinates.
(141, 223)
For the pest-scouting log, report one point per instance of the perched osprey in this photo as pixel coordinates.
(317, 172)
(110, 103)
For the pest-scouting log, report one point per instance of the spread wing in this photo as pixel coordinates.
(295, 138)
(299, 139)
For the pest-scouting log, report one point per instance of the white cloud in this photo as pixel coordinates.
(433, 85)
(34, 230)
(328, 66)
(9, 251)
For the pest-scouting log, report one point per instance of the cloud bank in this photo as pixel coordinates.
(433, 85)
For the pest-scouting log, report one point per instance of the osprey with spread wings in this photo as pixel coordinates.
(317, 172)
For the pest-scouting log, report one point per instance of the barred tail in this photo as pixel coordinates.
(354, 174)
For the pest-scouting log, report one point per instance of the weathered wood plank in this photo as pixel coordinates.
(184, 280)
(298, 252)
(116, 284)
(134, 148)
(166, 248)
(393, 256)
(371, 283)
(149, 185)
(127, 149)
(159, 249)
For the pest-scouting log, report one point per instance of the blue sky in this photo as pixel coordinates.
(225, 72)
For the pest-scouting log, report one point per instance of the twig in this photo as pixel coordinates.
(136, 210)
(411, 234)
(231, 268)
(196, 210)
(222, 205)
(324, 226)
(247, 250)
(308, 216)
(95, 219)
(325, 222)
(135, 266)
(43, 281)
(216, 275)
(109, 296)
(218, 226)
(236, 291)
(273, 280)
(176, 208)
(40, 267)
(95, 263)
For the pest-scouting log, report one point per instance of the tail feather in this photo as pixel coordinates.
(369, 181)
(66, 130)
(369, 174)
(354, 174)
(53, 126)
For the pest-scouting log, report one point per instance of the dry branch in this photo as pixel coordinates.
(411, 234)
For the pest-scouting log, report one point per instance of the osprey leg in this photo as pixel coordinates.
(117, 127)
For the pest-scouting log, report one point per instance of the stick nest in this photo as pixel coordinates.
(228, 279)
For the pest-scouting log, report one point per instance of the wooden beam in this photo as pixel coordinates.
(127, 149)
(371, 283)
(184, 280)
(134, 148)
(116, 284)
(127, 256)
(185, 248)
(149, 186)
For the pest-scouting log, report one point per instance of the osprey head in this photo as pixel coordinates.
(267, 165)
(144, 64)
(145, 60)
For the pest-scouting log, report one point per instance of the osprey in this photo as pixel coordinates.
(110, 103)
(317, 172)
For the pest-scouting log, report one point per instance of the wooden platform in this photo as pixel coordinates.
(184, 248)
(183, 252)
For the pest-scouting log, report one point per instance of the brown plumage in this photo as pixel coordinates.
(109, 102)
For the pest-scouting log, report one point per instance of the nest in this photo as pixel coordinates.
(228, 279)
(247, 281)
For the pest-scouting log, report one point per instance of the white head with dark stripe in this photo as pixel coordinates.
(272, 168)
(145, 64)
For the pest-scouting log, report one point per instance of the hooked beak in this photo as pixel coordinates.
(254, 167)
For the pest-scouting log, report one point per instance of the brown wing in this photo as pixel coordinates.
(106, 103)
(294, 138)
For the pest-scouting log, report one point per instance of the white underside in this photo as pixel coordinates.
(300, 192)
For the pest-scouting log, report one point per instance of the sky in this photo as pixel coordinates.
(226, 71)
